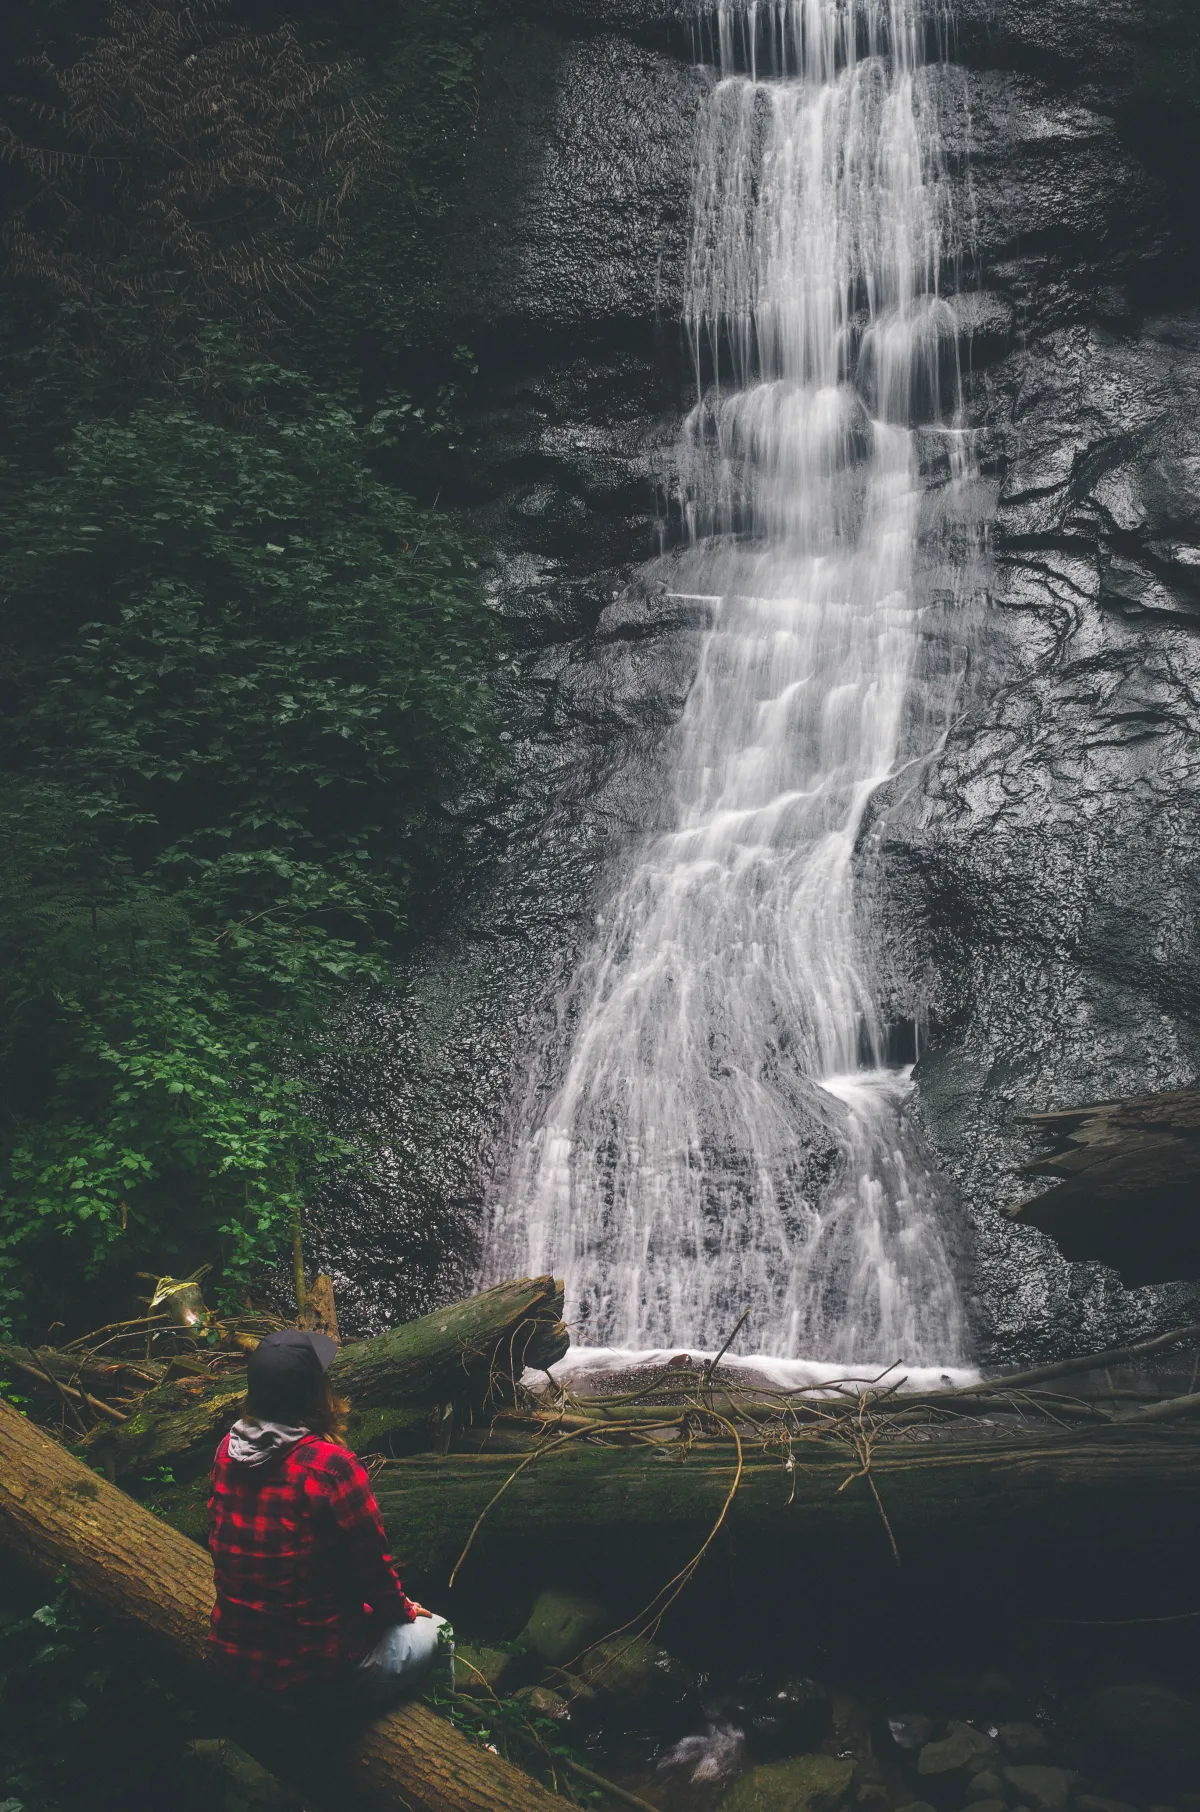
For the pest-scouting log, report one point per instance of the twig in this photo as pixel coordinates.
(1117, 1623)
(1166, 1411)
(712, 1365)
(527, 1461)
(597, 1780)
(684, 1575)
(1095, 1362)
(103, 1409)
(66, 1400)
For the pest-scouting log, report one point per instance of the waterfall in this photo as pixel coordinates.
(727, 1133)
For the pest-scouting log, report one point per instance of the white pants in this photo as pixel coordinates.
(402, 1657)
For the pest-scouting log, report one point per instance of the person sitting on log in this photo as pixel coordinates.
(307, 1596)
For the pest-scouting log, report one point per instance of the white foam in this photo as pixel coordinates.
(589, 1365)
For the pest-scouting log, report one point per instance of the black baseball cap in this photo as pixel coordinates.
(285, 1370)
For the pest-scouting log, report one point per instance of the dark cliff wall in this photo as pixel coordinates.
(1033, 887)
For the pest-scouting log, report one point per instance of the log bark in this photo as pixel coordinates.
(1128, 1185)
(980, 1496)
(84, 1371)
(455, 1355)
(124, 1561)
(454, 1351)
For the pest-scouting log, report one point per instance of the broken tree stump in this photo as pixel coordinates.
(56, 1513)
(1127, 1192)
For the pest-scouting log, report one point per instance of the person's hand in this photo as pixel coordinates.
(419, 1609)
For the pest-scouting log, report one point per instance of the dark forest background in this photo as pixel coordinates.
(244, 672)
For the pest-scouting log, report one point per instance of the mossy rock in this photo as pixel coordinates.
(644, 1685)
(807, 1783)
(1045, 1789)
(562, 1624)
(958, 1757)
(480, 1672)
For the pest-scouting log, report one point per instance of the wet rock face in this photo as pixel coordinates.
(579, 181)
(1033, 890)
(1056, 970)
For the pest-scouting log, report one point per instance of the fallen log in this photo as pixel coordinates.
(458, 1355)
(989, 1497)
(55, 1513)
(448, 1354)
(84, 1371)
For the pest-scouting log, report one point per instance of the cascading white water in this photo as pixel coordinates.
(725, 1039)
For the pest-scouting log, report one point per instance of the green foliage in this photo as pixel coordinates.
(389, 289)
(80, 1725)
(251, 675)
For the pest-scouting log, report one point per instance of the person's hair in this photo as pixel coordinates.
(328, 1413)
(325, 1413)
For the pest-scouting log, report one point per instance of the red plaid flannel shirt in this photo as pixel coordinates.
(305, 1584)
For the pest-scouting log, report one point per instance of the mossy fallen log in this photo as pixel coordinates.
(70, 1382)
(460, 1355)
(980, 1496)
(127, 1563)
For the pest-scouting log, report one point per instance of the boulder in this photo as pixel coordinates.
(1044, 1789)
(807, 1783)
(873, 1796)
(1023, 1742)
(482, 1672)
(960, 1755)
(1094, 1802)
(911, 1730)
(987, 1785)
(543, 1702)
(561, 1625)
(1146, 1735)
(989, 1805)
(641, 1685)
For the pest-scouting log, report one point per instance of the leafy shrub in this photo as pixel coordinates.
(263, 675)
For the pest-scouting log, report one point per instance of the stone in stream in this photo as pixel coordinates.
(1023, 1742)
(562, 1624)
(482, 1672)
(911, 1730)
(640, 1686)
(543, 1702)
(1045, 1789)
(1147, 1735)
(987, 1785)
(808, 1783)
(792, 1716)
(960, 1755)
(1095, 1802)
